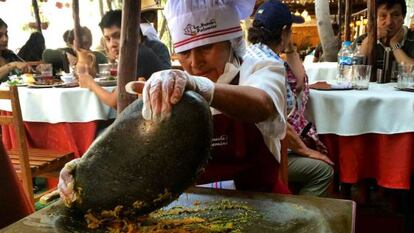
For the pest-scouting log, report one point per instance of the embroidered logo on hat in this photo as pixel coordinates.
(192, 30)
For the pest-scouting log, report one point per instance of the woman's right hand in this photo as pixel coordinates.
(67, 183)
(165, 88)
(22, 66)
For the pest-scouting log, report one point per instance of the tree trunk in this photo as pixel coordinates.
(76, 28)
(372, 39)
(37, 16)
(109, 4)
(328, 40)
(348, 7)
(101, 10)
(128, 55)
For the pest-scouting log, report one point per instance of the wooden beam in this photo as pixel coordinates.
(339, 19)
(348, 12)
(128, 55)
(76, 28)
(37, 15)
(372, 39)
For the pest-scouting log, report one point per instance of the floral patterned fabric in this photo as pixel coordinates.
(296, 103)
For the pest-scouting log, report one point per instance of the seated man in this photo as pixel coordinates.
(391, 34)
(148, 61)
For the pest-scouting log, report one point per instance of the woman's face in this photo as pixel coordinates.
(4, 38)
(208, 60)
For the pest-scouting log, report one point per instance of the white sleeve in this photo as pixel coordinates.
(268, 76)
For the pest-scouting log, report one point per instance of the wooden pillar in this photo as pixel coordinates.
(340, 16)
(76, 28)
(128, 56)
(348, 9)
(372, 39)
(37, 16)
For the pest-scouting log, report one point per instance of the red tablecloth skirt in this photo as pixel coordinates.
(75, 137)
(387, 158)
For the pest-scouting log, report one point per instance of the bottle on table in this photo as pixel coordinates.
(345, 55)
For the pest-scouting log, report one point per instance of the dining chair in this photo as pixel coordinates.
(29, 162)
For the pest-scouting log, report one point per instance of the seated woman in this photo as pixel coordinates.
(308, 164)
(33, 49)
(8, 60)
(248, 98)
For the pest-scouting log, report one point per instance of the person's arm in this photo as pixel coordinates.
(295, 64)
(108, 98)
(243, 102)
(295, 143)
(399, 54)
(5, 69)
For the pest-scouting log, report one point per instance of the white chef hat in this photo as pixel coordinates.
(194, 23)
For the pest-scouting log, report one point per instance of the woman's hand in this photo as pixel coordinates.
(22, 66)
(165, 88)
(314, 154)
(66, 182)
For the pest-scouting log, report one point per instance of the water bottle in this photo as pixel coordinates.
(358, 58)
(345, 63)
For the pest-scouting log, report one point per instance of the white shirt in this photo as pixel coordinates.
(269, 76)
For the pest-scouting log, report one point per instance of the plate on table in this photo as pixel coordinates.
(324, 86)
(106, 82)
(44, 85)
(410, 89)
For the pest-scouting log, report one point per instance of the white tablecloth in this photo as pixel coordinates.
(54, 105)
(321, 71)
(381, 109)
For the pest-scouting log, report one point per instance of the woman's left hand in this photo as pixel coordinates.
(314, 154)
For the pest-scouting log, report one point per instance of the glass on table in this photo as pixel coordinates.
(46, 70)
(107, 70)
(361, 76)
(405, 76)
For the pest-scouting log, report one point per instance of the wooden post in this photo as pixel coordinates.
(340, 16)
(372, 39)
(76, 28)
(101, 9)
(37, 16)
(348, 9)
(128, 56)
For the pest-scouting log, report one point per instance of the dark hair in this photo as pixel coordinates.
(259, 34)
(390, 3)
(66, 37)
(2, 23)
(84, 32)
(34, 47)
(111, 18)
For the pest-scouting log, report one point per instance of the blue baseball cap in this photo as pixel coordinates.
(274, 14)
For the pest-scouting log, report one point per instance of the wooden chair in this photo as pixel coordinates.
(29, 162)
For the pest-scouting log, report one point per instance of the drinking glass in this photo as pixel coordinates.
(361, 76)
(405, 76)
(46, 70)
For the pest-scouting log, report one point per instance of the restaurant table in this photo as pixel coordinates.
(269, 213)
(58, 118)
(369, 133)
(321, 71)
